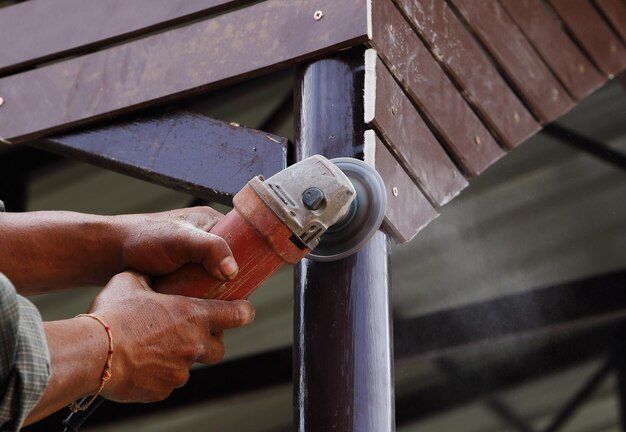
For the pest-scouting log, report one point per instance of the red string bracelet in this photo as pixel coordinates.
(106, 373)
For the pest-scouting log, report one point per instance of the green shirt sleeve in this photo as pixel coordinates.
(24, 357)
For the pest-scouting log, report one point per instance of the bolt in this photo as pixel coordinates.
(477, 140)
(555, 94)
(318, 15)
(394, 110)
(1, 101)
(395, 191)
(516, 117)
(312, 198)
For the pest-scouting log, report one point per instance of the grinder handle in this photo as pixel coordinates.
(254, 257)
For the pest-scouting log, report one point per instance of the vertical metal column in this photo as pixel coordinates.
(343, 356)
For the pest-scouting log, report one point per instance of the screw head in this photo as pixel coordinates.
(516, 117)
(1, 101)
(395, 191)
(394, 110)
(581, 68)
(318, 15)
(312, 198)
(477, 140)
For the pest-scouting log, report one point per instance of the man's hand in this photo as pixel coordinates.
(46, 251)
(160, 243)
(156, 339)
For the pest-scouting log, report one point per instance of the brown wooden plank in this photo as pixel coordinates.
(463, 59)
(247, 42)
(391, 114)
(593, 34)
(516, 57)
(555, 47)
(208, 158)
(39, 30)
(451, 118)
(615, 12)
(408, 210)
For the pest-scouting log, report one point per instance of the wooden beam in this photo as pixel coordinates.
(516, 58)
(593, 34)
(555, 47)
(391, 114)
(464, 60)
(615, 12)
(41, 30)
(247, 42)
(408, 210)
(443, 107)
(192, 153)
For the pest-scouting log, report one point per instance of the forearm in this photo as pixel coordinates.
(78, 352)
(45, 250)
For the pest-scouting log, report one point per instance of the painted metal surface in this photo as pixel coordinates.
(516, 57)
(462, 57)
(188, 60)
(40, 30)
(556, 48)
(343, 362)
(389, 111)
(443, 107)
(208, 158)
(408, 210)
(593, 34)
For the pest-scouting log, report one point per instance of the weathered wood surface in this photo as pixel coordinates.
(422, 78)
(38, 30)
(615, 12)
(543, 30)
(187, 60)
(189, 152)
(391, 114)
(516, 57)
(459, 53)
(593, 34)
(408, 210)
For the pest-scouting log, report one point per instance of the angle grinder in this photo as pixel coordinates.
(322, 209)
(317, 208)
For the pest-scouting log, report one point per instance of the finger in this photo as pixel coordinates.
(223, 315)
(210, 250)
(214, 351)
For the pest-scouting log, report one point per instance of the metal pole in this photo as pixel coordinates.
(343, 356)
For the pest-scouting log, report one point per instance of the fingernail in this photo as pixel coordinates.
(228, 267)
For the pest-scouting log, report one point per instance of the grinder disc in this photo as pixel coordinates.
(364, 217)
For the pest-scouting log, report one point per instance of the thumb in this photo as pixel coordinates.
(211, 251)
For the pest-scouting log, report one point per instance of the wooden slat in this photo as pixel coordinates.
(462, 57)
(593, 34)
(187, 60)
(39, 30)
(408, 210)
(615, 12)
(543, 30)
(516, 57)
(452, 119)
(391, 114)
(208, 158)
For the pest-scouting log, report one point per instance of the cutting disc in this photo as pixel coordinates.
(362, 220)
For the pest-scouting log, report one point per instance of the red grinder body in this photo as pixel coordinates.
(260, 243)
(272, 223)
